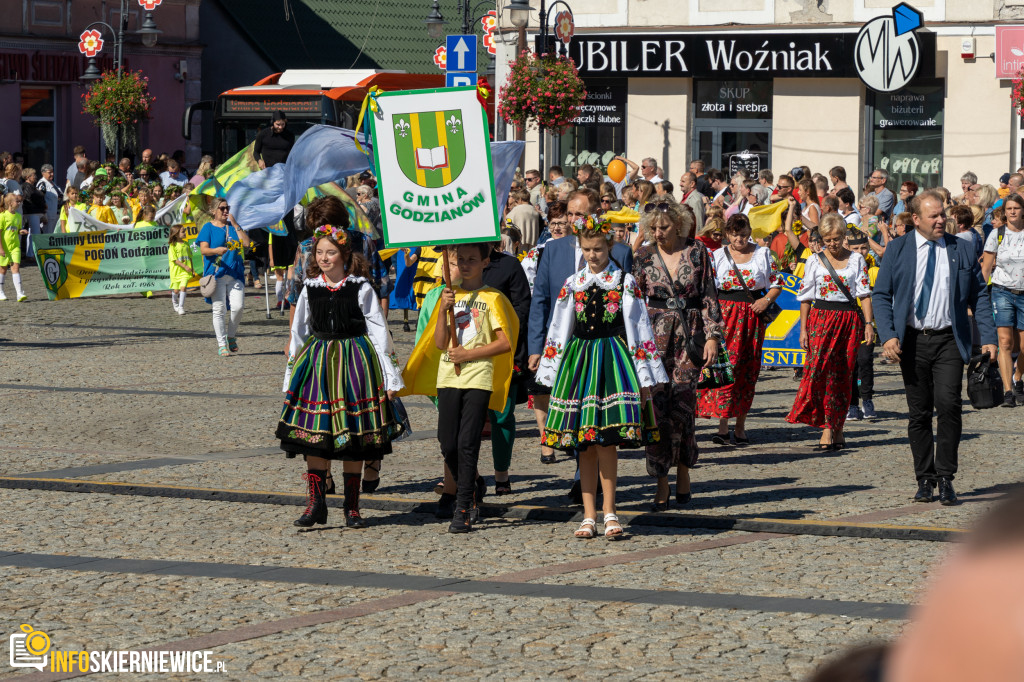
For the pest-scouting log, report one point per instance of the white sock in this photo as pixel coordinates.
(174, 298)
(2, 276)
(16, 276)
(181, 298)
(279, 289)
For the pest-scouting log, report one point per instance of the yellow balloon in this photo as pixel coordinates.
(616, 170)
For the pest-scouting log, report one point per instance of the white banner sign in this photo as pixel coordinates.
(171, 214)
(433, 160)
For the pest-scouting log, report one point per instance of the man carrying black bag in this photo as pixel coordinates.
(927, 281)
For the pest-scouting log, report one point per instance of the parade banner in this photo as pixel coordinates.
(782, 340)
(102, 262)
(173, 213)
(432, 154)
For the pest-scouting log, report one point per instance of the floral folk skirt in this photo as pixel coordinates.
(823, 398)
(595, 399)
(744, 338)
(336, 406)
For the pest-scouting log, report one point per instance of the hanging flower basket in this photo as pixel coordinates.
(117, 104)
(542, 90)
(1017, 94)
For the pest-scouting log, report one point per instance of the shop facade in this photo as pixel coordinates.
(41, 87)
(765, 97)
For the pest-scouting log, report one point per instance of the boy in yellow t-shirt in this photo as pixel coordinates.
(463, 396)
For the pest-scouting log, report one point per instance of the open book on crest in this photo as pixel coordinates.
(431, 159)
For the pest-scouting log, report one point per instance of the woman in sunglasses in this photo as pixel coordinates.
(676, 276)
(222, 247)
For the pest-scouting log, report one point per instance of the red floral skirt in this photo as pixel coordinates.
(824, 396)
(744, 337)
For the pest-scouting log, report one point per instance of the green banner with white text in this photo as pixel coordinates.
(106, 262)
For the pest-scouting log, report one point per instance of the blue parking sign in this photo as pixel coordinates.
(458, 79)
(461, 52)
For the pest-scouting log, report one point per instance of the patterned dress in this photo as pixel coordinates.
(599, 352)
(342, 363)
(744, 332)
(835, 330)
(675, 403)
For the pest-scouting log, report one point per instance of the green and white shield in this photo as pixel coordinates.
(55, 273)
(431, 146)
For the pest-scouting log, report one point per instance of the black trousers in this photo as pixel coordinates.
(864, 374)
(933, 375)
(460, 419)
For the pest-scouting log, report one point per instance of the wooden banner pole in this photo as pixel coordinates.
(451, 311)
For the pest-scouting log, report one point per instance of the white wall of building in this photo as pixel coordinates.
(817, 122)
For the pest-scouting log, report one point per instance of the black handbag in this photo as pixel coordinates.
(773, 309)
(984, 384)
(692, 343)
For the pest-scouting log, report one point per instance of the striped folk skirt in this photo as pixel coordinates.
(823, 398)
(595, 399)
(336, 406)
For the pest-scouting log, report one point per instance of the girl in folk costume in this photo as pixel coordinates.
(831, 330)
(342, 374)
(600, 360)
(742, 303)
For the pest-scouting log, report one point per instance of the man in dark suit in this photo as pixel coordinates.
(927, 281)
(562, 259)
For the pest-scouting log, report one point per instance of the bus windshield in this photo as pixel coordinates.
(235, 135)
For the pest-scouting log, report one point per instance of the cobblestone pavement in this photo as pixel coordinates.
(123, 391)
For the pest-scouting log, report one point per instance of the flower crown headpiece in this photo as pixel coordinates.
(338, 234)
(591, 227)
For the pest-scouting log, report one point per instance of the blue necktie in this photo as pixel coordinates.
(921, 309)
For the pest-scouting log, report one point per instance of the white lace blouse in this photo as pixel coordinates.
(759, 272)
(818, 284)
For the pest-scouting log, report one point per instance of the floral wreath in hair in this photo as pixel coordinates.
(338, 234)
(592, 227)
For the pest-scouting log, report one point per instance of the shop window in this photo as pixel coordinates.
(600, 133)
(732, 124)
(906, 137)
(38, 126)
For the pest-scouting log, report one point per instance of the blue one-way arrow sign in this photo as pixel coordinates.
(461, 53)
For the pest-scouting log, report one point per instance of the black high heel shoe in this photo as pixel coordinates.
(683, 498)
(329, 480)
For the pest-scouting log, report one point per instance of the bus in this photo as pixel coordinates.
(307, 97)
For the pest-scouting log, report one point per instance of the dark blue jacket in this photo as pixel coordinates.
(557, 265)
(893, 298)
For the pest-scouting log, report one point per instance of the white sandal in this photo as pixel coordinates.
(612, 532)
(587, 530)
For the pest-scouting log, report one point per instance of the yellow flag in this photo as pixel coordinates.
(420, 373)
(766, 219)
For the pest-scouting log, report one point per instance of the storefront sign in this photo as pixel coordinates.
(605, 106)
(887, 52)
(749, 161)
(914, 108)
(725, 55)
(1009, 51)
(733, 99)
(43, 67)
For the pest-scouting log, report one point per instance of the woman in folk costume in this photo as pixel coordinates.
(832, 328)
(343, 372)
(600, 360)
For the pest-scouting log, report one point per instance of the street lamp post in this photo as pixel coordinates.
(435, 22)
(91, 44)
(519, 12)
